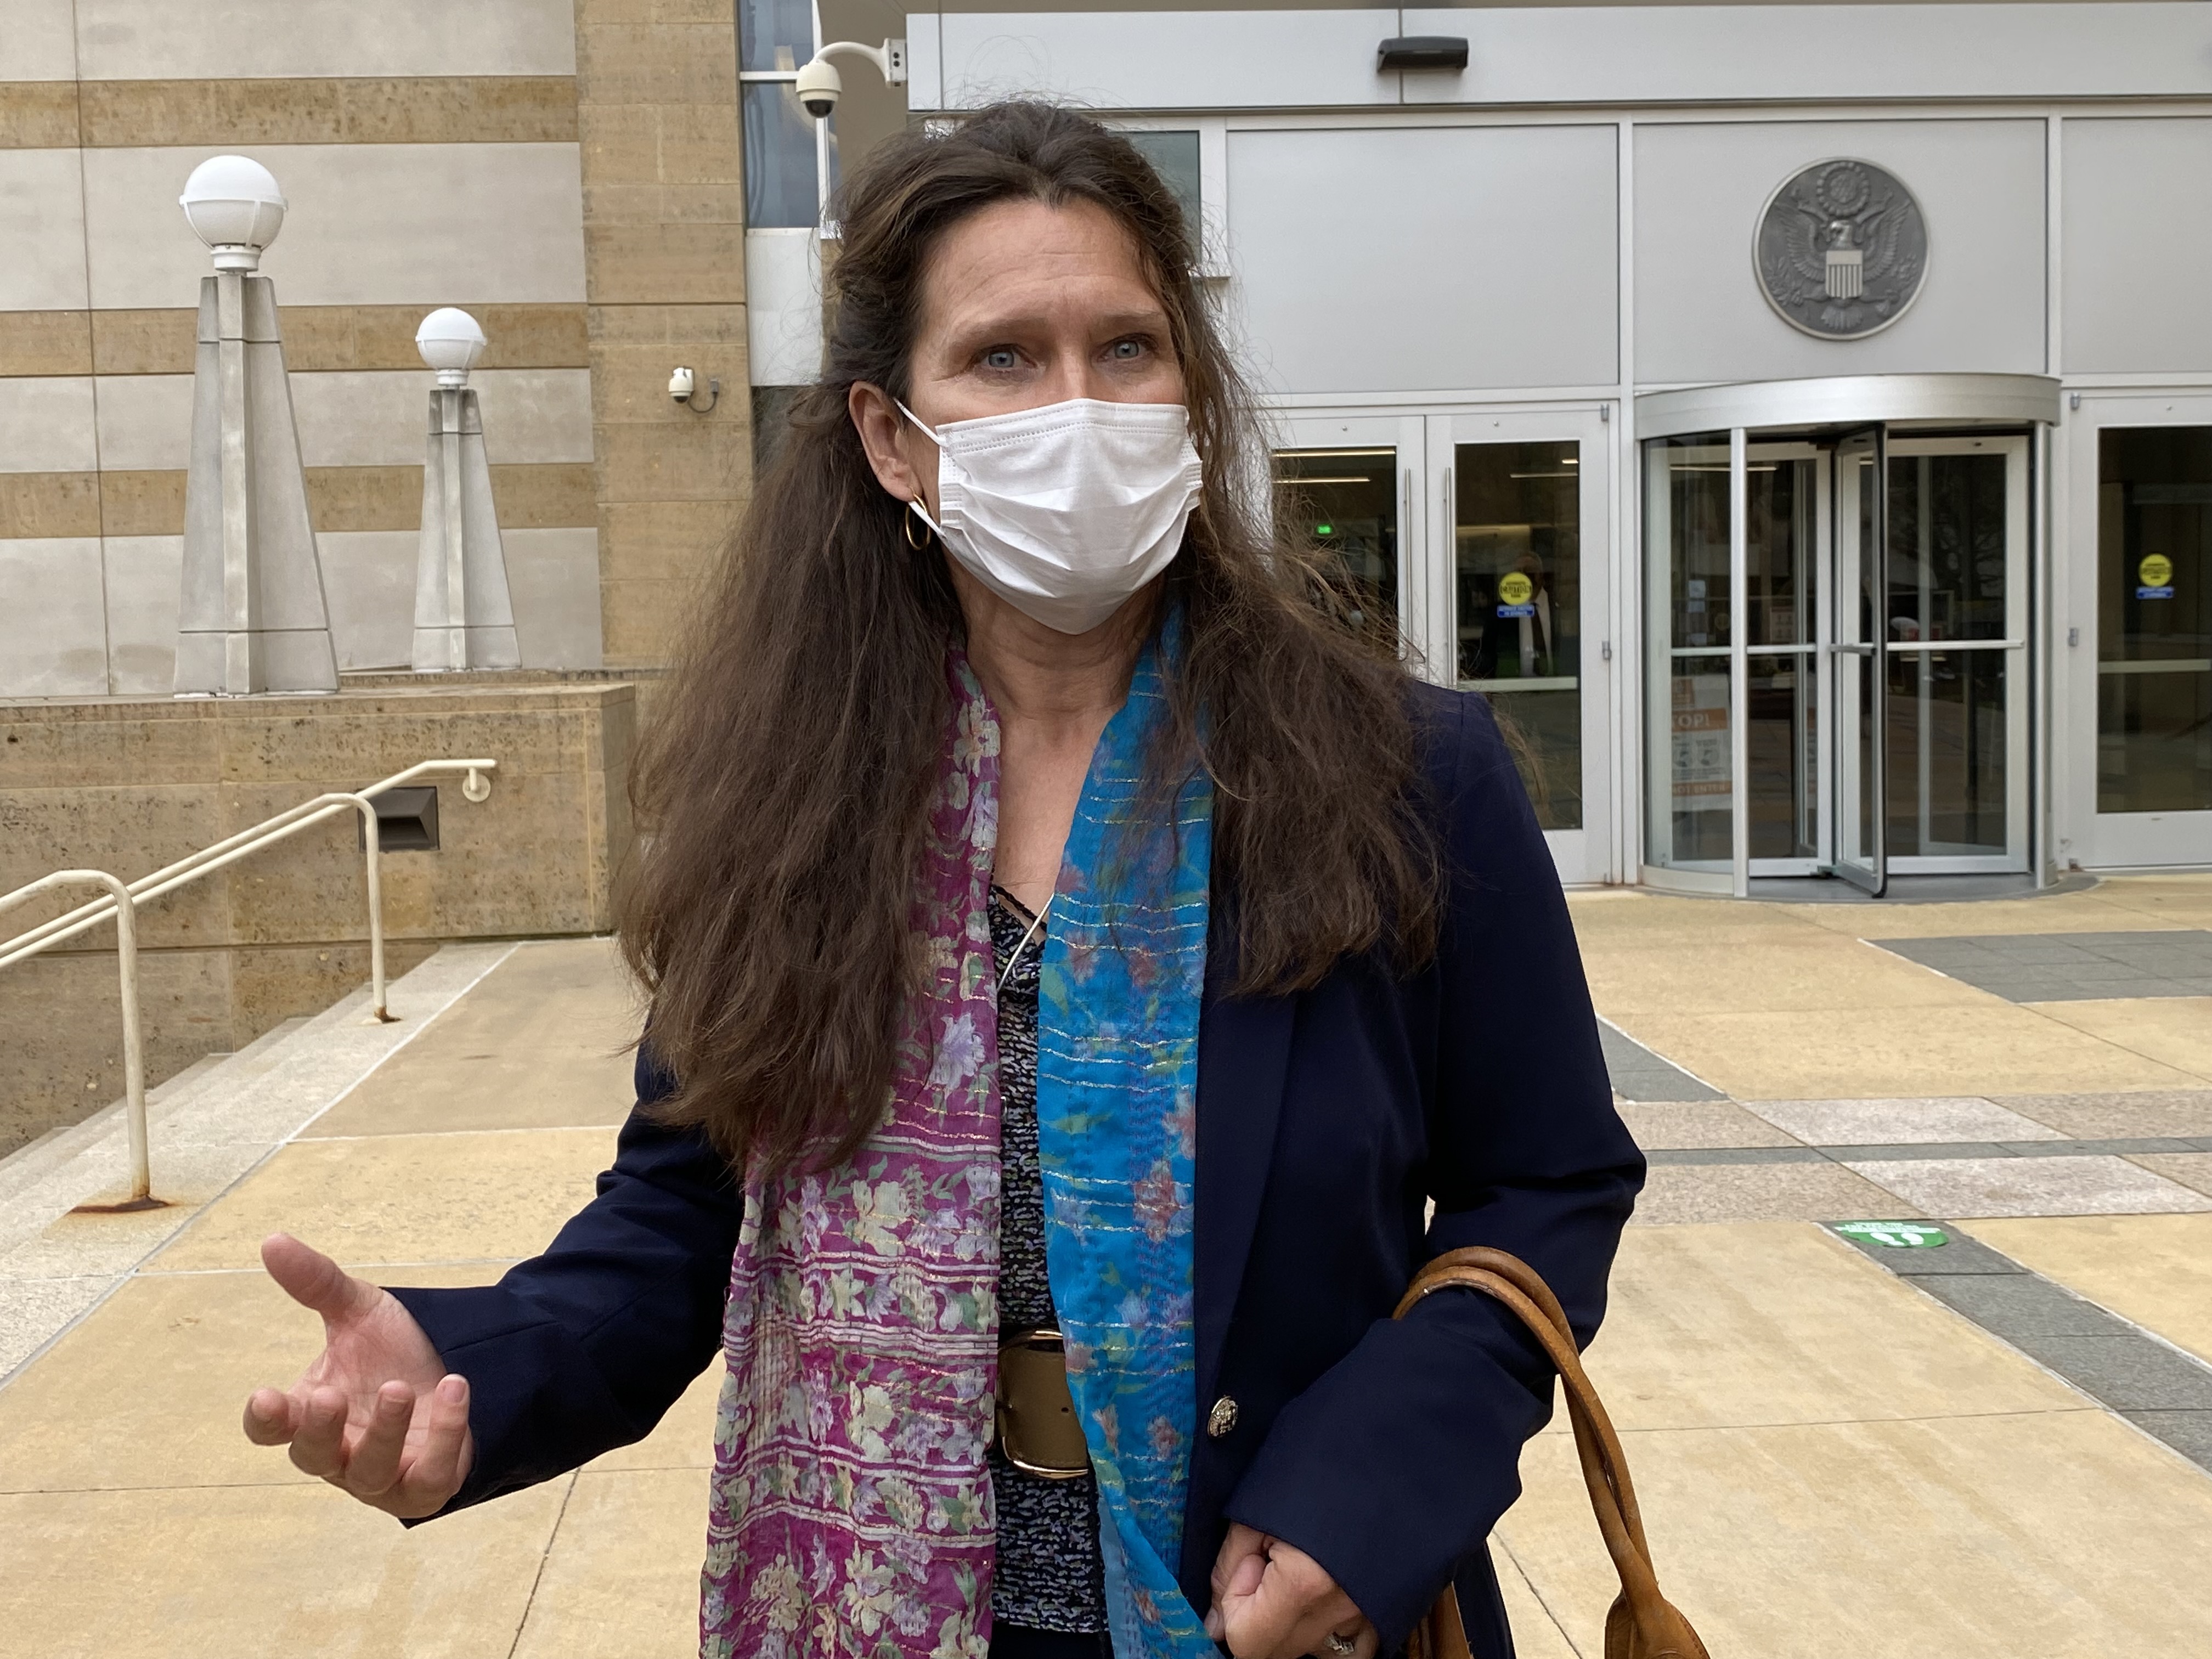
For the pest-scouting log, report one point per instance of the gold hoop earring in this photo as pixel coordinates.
(907, 520)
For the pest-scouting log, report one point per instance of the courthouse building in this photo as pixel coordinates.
(1797, 418)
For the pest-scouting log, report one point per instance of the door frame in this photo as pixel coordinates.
(1424, 437)
(2098, 840)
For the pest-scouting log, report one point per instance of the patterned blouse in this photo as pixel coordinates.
(1049, 1573)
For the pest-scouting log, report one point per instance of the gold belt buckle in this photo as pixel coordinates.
(1035, 1415)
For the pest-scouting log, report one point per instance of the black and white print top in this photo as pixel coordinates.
(1049, 1574)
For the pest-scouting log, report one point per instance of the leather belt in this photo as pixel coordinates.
(1034, 1422)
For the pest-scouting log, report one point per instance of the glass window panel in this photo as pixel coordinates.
(1689, 765)
(1946, 547)
(1783, 733)
(1517, 540)
(1945, 756)
(1174, 156)
(779, 142)
(1781, 500)
(2154, 619)
(1348, 501)
(774, 34)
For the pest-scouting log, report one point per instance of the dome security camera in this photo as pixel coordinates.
(819, 87)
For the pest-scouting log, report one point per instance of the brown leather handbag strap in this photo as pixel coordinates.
(1642, 1624)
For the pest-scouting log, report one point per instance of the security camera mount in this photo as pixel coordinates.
(819, 85)
(683, 386)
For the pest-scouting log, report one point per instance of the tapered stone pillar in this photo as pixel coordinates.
(464, 618)
(251, 616)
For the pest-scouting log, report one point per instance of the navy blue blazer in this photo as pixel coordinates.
(1385, 1448)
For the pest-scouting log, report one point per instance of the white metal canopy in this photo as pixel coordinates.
(1849, 400)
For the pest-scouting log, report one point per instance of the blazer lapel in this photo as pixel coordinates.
(1243, 1059)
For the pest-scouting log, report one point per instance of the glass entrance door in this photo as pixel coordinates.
(1854, 654)
(1482, 536)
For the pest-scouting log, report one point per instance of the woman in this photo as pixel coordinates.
(1063, 923)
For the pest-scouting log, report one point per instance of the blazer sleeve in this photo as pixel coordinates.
(584, 1348)
(1394, 1467)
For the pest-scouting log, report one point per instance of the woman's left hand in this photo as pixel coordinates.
(1273, 1600)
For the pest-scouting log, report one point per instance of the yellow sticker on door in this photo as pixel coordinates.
(2155, 577)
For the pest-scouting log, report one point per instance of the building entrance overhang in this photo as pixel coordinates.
(1851, 400)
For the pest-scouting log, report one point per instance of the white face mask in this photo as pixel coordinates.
(1066, 510)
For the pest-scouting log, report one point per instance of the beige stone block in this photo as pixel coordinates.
(403, 1199)
(615, 326)
(272, 983)
(641, 620)
(664, 541)
(707, 460)
(2153, 1269)
(266, 1572)
(141, 503)
(2066, 1534)
(45, 343)
(1766, 1322)
(554, 577)
(657, 63)
(1630, 919)
(155, 341)
(1991, 1049)
(629, 384)
(42, 226)
(45, 506)
(717, 203)
(67, 745)
(46, 424)
(596, 12)
(543, 1040)
(39, 115)
(2177, 1112)
(668, 264)
(659, 143)
(2175, 1031)
(621, 1577)
(53, 636)
(1674, 1194)
(264, 111)
(145, 578)
(148, 1390)
(515, 109)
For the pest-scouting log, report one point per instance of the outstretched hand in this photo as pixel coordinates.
(377, 1414)
(1273, 1600)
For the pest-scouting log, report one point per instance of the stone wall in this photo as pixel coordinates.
(129, 785)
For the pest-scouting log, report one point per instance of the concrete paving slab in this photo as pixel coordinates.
(540, 1043)
(621, 1580)
(1679, 1192)
(2189, 1433)
(265, 1572)
(2153, 1269)
(1778, 1322)
(2017, 1305)
(2125, 1372)
(2065, 1535)
(147, 1392)
(490, 1195)
(1996, 1048)
(1866, 1122)
(2175, 1031)
(33, 1309)
(1977, 1187)
(1699, 1123)
(2192, 1169)
(1641, 1075)
(1536, 1634)
(2101, 1116)
(1819, 972)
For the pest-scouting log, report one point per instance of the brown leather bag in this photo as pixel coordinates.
(1641, 1625)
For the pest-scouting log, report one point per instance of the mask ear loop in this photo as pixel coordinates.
(1014, 956)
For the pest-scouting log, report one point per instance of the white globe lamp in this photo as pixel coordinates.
(450, 341)
(232, 204)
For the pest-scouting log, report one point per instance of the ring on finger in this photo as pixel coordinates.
(1342, 1646)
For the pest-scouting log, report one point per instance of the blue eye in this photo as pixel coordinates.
(1000, 357)
(1128, 350)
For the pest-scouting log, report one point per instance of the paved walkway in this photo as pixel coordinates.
(1986, 1449)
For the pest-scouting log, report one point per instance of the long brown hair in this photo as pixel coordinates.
(783, 785)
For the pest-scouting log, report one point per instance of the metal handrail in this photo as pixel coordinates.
(134, 1052)
(120, 904)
